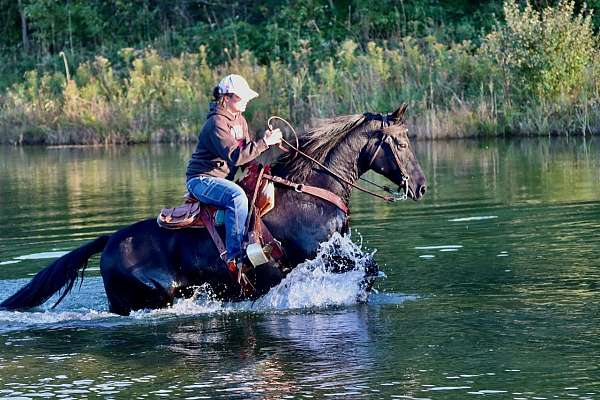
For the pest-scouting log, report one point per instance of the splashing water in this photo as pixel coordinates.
(202, 302)
(16, 320)
(315, 283)
(333, 278)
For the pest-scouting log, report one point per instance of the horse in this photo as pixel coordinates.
(144, 266)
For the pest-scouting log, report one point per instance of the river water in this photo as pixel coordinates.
(491, 286)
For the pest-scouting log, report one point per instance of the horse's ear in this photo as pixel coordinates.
(398, 116)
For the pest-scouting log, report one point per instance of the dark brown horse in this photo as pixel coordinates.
(145, 266)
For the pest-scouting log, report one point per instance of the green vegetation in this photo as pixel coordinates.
(489, 69)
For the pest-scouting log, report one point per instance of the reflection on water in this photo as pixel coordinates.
(491, 286)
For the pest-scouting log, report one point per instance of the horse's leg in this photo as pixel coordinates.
(138, 268)
(264, 277)
(145, 266)
(301, 237)
(133, 289)
(338, 263)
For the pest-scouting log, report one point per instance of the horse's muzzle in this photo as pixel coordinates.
(420, 192)
(413, 193)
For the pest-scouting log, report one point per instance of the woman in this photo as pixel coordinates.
(224, 144)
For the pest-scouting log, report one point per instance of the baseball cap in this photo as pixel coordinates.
(236, 84)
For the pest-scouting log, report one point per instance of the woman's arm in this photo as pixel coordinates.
(227, 147)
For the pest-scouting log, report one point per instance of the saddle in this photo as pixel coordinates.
(192, 213)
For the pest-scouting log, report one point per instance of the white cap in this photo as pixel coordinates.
(236, 84)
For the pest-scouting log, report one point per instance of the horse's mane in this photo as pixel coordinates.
(318, 143)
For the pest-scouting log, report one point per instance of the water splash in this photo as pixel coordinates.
(333, 278)
(312, 284)
(317, 283)
(202, 302)
(16, 320)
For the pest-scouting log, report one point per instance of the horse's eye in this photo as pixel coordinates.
(402, 145)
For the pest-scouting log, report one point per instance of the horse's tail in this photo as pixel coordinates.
(62, 273)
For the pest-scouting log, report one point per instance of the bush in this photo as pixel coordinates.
(544, 62)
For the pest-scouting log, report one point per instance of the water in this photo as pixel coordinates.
(490, 287)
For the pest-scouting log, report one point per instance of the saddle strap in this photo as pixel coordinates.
(312, 190)
(209, 223)
(252, 213)
(276, 250)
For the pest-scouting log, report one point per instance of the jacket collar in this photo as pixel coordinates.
(214, 109)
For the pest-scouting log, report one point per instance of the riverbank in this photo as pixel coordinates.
(536, 74)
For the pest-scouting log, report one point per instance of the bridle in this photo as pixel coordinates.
(385, 138)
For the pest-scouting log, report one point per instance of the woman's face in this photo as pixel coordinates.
(235, 103)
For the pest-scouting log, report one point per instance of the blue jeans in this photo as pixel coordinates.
(228, 195)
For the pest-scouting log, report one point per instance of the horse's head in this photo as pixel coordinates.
(390, 154)
(350, 145)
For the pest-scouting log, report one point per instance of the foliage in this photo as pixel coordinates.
(162, 98)
(545, 60)
(537, 72)
(33, 32)
(546, 53)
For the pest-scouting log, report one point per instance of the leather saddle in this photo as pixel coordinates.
(186, 215)
(189, 214)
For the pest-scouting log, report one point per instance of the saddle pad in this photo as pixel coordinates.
(184, 215)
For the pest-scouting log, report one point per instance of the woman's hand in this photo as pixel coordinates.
(273, 137)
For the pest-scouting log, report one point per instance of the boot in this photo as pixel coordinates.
(233, 269)
(237, 270)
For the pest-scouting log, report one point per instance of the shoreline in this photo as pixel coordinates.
(414, 138)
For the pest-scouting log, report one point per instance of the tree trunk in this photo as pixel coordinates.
(24, 27)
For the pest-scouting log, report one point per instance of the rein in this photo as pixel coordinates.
(390, 199)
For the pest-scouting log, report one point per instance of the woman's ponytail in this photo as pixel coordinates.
(218, 97)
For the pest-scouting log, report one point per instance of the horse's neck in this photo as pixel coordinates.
(344, 160)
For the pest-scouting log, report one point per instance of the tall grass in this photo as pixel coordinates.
(536, 74)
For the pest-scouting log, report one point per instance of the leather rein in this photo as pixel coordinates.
(329, 196)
